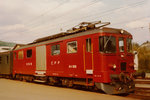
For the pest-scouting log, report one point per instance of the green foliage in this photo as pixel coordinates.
(135, 46)
(9, 44)
(144, 58)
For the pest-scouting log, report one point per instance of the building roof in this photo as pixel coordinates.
(5, 48)
(18, 46)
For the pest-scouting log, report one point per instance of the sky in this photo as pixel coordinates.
(23, 21)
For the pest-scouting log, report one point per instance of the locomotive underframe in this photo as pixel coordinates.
(119, 84)
(116, 86)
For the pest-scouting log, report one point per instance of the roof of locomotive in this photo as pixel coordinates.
(63, 36)
(104, 29)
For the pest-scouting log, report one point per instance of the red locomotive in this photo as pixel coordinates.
(86, 55)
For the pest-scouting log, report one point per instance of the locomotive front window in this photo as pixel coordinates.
(129, 45)
(121, 44)
(107, 44)
(55, 49)
(72, 47)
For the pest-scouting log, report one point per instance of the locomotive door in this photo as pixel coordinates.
(122, 55)
(41, 59)
(88, 56)
(55, 58)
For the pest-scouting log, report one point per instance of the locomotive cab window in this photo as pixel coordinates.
(107, 44)
(55, 49)
(72, 47)
(20, 55)
(29, 53)
(121, 44)
(129, 45)
(88, 45)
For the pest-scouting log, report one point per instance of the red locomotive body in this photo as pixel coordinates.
(98, 57)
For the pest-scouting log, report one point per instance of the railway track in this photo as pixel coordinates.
(142, 89)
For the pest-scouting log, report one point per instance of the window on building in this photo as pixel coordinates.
(107, 44)
(20, 55)
(55, 49)
(7, 57)
(88, 45)
(0, 60)
(29, 53)
(121, 44)
(72, 47)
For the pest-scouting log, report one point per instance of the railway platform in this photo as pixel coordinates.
(19, 90)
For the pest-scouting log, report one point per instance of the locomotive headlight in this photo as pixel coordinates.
(114, 66)
(122, 31)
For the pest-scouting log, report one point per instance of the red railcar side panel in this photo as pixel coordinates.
(24, 65)
(81, 64)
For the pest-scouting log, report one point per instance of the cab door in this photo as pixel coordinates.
(122, 54)
(88, 55)
(41, 60)
(55, 58)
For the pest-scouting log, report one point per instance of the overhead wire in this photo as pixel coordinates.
(139, 3)
(30, 22)
(35, 19)
(135, 19)
(41, 15)
(101, 12)
(81, 7)
(70, 11)
(108, 10)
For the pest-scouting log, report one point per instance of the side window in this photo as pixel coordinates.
(72, 47)
(88, 45)
(7, 57)
(29, 53)
(101, 43)
(121, 44)
(55, 49)
(0, 60)
(20, 55)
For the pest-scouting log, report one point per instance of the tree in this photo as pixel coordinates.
(144, 57)
(135, 46)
